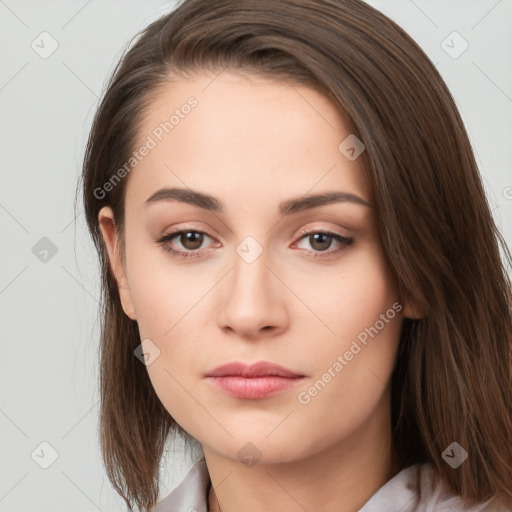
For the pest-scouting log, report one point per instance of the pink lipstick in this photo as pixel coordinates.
(253, 382)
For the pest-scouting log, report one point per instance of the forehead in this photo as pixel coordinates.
(243, 137)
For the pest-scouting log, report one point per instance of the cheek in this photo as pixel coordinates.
(166, 305)
(161, 293)
(350, 380)
(352, 296)
(373, 321)
(169, 312)
(352, 370)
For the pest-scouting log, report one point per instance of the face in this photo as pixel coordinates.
(248, 276)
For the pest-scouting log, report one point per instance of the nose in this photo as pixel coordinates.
(252, 300)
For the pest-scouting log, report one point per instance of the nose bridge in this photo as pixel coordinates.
(253, 299)
(251, 276)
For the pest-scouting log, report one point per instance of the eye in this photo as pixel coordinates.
(191, 240)
(320, 241)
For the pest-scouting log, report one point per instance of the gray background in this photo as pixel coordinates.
(48, 300)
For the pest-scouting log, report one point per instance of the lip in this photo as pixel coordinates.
(253, 382)
(259, 369)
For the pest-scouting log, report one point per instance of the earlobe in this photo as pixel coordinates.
(107, 227)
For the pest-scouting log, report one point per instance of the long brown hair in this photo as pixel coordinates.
(453, 376)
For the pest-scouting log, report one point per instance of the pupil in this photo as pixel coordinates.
(315, 241)
(193, 240)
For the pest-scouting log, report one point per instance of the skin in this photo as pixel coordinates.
(253, 143)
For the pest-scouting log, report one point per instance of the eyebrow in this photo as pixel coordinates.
(287, 207)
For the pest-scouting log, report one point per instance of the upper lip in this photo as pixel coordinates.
(259, 369)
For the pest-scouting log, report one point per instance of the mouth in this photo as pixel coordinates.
(253, 382)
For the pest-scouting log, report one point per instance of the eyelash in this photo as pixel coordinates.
(344, 241)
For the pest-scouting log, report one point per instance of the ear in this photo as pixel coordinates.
(108, 231)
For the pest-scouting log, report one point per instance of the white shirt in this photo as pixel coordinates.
(411, 490)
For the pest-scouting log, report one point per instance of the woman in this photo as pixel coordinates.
(300, 269)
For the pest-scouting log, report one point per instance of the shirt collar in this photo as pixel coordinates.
(412, 489)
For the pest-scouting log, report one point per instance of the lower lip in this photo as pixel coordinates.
(254, 388)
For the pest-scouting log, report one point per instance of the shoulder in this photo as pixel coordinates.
(418, 488)
(414, 489)
(191, 494)
(442, 497)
